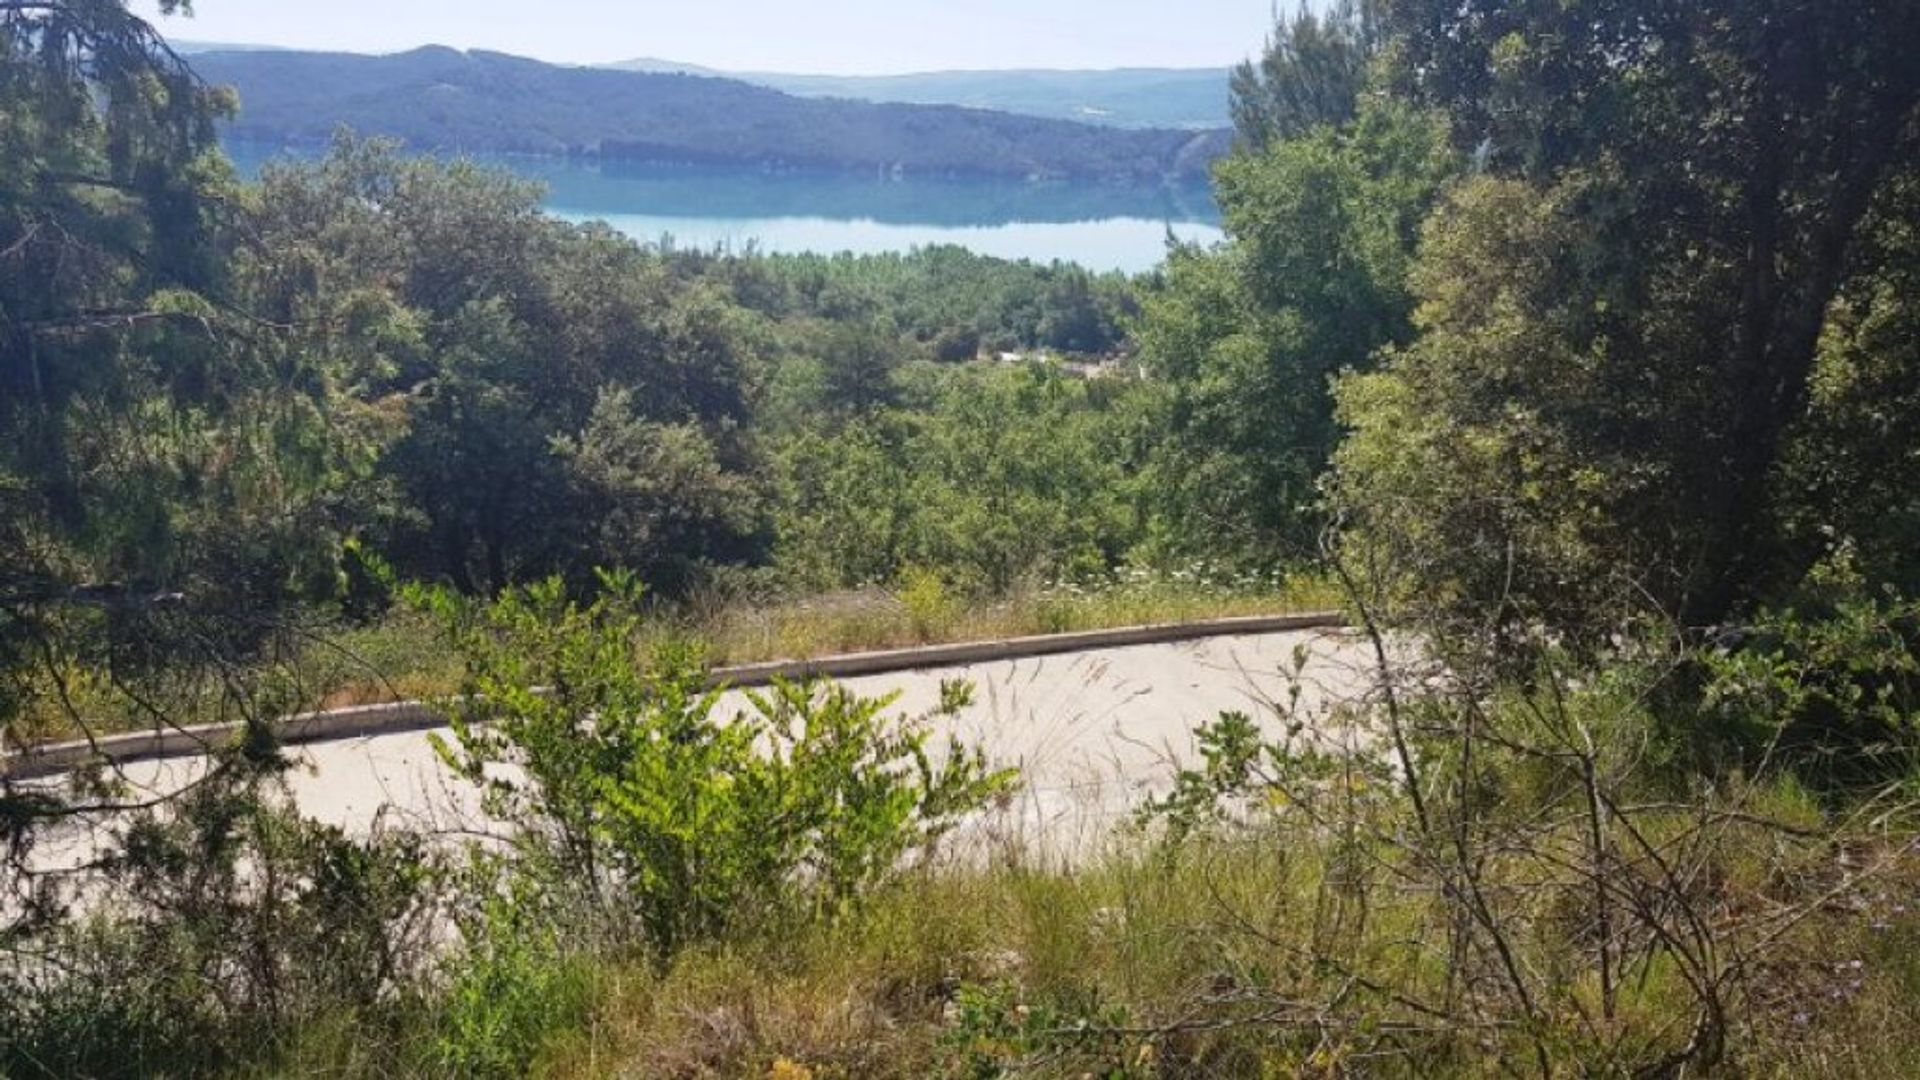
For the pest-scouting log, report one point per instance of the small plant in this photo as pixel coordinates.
(930, 602)
(995, 1033)
(513, 988)
(788, 1069)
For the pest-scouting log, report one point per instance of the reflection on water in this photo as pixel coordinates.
(1130, 244)
(1099, 226)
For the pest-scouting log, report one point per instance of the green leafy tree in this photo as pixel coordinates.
(1703, 197)
(653, 497)
(842, 505)
(997, 476)
(1842, 485)
(171, 462)
(1313, 281)
(945, 298)
(491, 339)
(1310, 74)
(857, 364)
(154, 426)
(1493, 457)
(1020, 474)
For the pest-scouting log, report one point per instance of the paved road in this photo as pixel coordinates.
(1093, 733)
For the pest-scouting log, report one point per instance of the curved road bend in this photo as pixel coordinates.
(1092, 732)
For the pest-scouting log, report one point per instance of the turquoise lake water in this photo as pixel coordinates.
(1100, 227)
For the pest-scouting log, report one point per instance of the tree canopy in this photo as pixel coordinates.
(1683, 211)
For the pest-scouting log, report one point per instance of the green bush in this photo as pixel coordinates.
(685, 821)
(234, 923)
(1833, 694)
(930, 602)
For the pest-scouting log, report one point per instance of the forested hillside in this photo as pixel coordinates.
(443, 99)
(1572, 348)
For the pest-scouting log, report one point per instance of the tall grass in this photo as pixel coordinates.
(925, 610)
(1190, 964)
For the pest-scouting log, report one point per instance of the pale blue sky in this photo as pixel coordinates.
(832, 36)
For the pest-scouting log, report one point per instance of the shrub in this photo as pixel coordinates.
(689, 822)
(929, 601)
(1834, 694)
(1507, 867)
(234, 921)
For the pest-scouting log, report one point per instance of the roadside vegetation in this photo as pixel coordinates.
(326, 663)
(1572, 349)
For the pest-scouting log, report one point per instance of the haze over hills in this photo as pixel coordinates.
(1127, 97)
(442, 98)
(196, 48)
(1194, 98)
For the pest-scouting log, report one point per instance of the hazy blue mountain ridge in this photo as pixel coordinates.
(444, 99)
(1125, 97)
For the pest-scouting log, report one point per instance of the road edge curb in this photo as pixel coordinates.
(363, 720)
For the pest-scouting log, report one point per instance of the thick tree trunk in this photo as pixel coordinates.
(1771, 374)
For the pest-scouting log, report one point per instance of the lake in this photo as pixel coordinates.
(1098, 226)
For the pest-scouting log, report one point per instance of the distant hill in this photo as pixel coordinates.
(651, 66)
(440, 98)
(1126, 97)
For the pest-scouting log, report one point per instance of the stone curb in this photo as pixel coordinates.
(364, 720)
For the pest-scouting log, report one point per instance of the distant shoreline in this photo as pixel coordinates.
(668, 158)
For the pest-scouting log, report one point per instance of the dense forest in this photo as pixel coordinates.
(487, 396)
(1575, 346)
(443, 99)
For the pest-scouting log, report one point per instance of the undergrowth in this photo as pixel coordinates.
(1532, 875)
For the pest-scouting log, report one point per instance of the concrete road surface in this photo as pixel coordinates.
(1093, 733)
